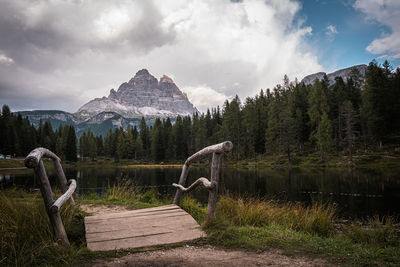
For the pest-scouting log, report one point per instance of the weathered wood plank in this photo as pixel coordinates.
(146, 240)
(137, 217)
(111, 224)
(122, 225)
(123, 213)
(140, 228)
(135, 232)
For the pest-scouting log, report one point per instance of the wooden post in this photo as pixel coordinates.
(218, 148)
(34, 161)
(213, 195)
(62, 179)
(182, 181)
(47, 195)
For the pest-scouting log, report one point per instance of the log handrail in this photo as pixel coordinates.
(216, 150)
(62, 199)
(206, 183)
(33, 159)
(35, 162)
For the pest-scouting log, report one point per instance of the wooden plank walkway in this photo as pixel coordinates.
(140, 228)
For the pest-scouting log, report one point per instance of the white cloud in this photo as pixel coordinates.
(213, 49)
(331, 30)
(204, 97)
(5, 60)
(385, 12)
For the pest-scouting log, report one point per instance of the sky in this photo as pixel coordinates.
(59, 54)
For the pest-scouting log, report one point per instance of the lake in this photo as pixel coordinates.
(355, 192)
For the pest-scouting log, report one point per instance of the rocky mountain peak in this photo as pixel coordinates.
(343, 73)
(142, 80)
(113, 93)
(142, 72)
(142, 95)
(166, 79)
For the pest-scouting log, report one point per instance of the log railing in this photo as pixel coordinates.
(34, 161)
(212, 186)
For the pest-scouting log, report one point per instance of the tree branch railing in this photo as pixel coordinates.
(34, 161)
(212, 186)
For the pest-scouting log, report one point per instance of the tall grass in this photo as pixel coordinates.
(261, 224)
(124, 192)
(26, 236)
(317, 219)
(376, 231)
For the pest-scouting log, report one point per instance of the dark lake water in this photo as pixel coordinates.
(355, 192)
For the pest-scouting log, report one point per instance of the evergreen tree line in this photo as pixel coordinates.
(359, 113)
(18, 137)
(293, 117)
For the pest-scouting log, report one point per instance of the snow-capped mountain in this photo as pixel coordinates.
(143, 95)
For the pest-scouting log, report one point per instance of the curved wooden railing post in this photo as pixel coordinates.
(213, 195)
(217, 151)
(34, 161)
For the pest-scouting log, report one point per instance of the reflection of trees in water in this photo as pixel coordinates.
(356, 191)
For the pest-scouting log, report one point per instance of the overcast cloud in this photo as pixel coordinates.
(61, 54)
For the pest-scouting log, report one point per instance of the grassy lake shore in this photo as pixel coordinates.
(362, 160)
(249, 224)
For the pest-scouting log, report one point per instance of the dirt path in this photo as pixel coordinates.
(200, 255)
(210, 256)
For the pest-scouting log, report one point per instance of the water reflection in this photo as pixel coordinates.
(360, 192)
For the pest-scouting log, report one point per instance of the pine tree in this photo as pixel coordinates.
(232, 125)
(71, 149)
(349, 119)
(374, 103)
(201, 133)
(157, 146)
(168, 140)
(323, 136)
(318, 105)
(145, 136)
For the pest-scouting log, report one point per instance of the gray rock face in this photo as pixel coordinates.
(344, 73)
(143, 95)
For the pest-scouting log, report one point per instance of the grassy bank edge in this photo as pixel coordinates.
(366, 160)
(248, 224)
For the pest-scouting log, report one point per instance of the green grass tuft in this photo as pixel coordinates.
(123, 192)
(376, 231)
(26, 236)
(316, 219)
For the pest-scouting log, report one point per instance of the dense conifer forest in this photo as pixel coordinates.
(291, 119)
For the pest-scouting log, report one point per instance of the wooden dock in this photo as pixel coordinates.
(140, 228)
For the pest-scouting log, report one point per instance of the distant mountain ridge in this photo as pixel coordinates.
(142, 96)
(344, 73)
(99, 124)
